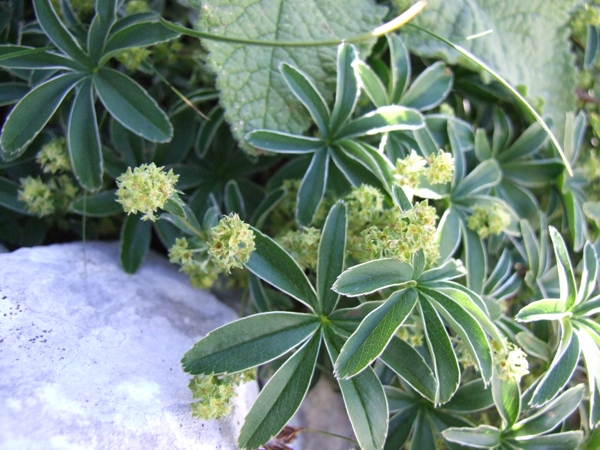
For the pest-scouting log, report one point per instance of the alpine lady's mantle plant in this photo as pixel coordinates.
(422, 244)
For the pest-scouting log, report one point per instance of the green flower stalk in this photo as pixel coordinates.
(37, 196)
(146, 189)
(54, 156)
(230, 243)
(488, 219)
(195, 262)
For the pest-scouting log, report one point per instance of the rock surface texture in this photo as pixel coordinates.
(89, 355)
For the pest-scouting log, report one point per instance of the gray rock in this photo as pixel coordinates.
(89, 356)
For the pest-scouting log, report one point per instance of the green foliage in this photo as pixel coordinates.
(528, 44)
(253, 92)
(406, 232)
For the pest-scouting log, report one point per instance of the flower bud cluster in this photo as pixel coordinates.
(230, 243)
(375, 231)
(132, 58)
(215, 393)
(54, 156)
(302, 245)
(146, 189)
(510, 361)
(437, 169)
(488, 219)
(43, 199)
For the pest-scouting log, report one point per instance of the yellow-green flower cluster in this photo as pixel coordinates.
(230, 243)
(37, 196)
(215, 393)
(375, 231)
(412, 334)
(136, 6)
(488, 219)
(436, 168)
(441, 168)
(145, 189)
(303, 245)
(54, 156)
(132, 58)
(404, 234)
(195, 262)
(410, 169)
(510, 361)
(43, 199)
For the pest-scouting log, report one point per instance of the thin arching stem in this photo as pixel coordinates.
(388, 27)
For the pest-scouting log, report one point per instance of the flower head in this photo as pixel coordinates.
(441, 168)
(511, 362)
(230, 243)
(37, 196)
(303, 245)
(146, 189)
(488, 219)
(54, 156)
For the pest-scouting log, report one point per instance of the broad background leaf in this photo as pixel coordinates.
(253, 91)
(529, 45)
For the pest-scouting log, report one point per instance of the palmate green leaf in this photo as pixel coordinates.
(347, 87)
(281, 397)
(306, 91)
(471, 397)
(32, 113)
(430, 88)
(274, 265)
(533, 52)
(99, 29)
(137, 35)
(102, 204)
(400, 66)
(447, 271)
(280, 142)
(372, 85)
(444, 360)
(484, 436)
(507, 398)
(312, 188)
(475, 258)
(135, 242)
(562, 367)
(408, 364)
(249, 342)
(374, 333)
(372, 276)
(566, 277)
(21, 57)
(253, 91)
(365, 401)
(57, 32)
(533, 174)
(400, 426)
(131, 105)
(591, 356)
(547, 418)
(449, 234)
(354, 169)
(568, 440)
(422, 435)
(546, 309)
(527, 144)
(332, 248)
(484, 176)
(470, 331)
(589, 276)
(234, 201)
(346, 320)
(371, 159)
(383, 120)
(83, 139)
